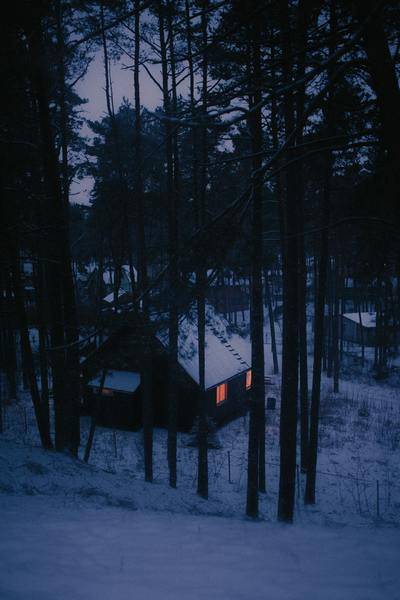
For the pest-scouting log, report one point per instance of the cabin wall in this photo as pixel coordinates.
(351, 332)
(235, 404)
(119, 411)
(187, 392)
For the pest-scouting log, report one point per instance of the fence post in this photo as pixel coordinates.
(377, 498)
(229, 467)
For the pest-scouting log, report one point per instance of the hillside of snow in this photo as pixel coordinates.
(71, 530)
(359, 446)
(52, 551)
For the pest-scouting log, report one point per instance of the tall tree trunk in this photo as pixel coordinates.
(142, 256)
(256, 448)
(59, 272)
(72, 368)
(94, 416)
(288, 423)
(42, 422)
(10, 349)
(318, 342)
(271, 323)
(42, 333)
(173, 265)
(301, 38)
(329, 347)
(201, 275)
(335, 328)
(319, 311)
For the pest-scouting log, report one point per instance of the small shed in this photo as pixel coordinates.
(359, 327)
(116, 397)
(91, 285)
(124, 298)
(121, 360)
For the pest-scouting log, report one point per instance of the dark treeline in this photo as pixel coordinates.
(271, 163)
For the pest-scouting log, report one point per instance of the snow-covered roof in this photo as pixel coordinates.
(226, 353)
(368, 319)
(110, 297)
(121, 381)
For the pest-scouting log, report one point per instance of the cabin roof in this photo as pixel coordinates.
(120, 381)
(368, 319)
(226, 353)
(110, 297)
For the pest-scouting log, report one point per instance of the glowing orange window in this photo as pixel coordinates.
(222, 392)
(248, 380)
(107, 392)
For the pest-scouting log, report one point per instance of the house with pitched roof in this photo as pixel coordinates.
(113, 374)
(359, 327)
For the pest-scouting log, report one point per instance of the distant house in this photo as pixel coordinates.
(120, 362)
(89, 283)
(125, 279)
(124, 298)
(356, 331)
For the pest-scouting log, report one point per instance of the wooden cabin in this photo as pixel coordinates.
(124, 299)
(90, 286)
(140, 348)
(355, 331)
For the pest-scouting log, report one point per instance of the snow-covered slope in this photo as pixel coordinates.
(53, 552)
(76, 531)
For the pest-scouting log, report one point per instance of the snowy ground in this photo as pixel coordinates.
(49, 551)
(71, 530)
(359, 453)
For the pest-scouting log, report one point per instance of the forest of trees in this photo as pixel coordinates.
(274, 154)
